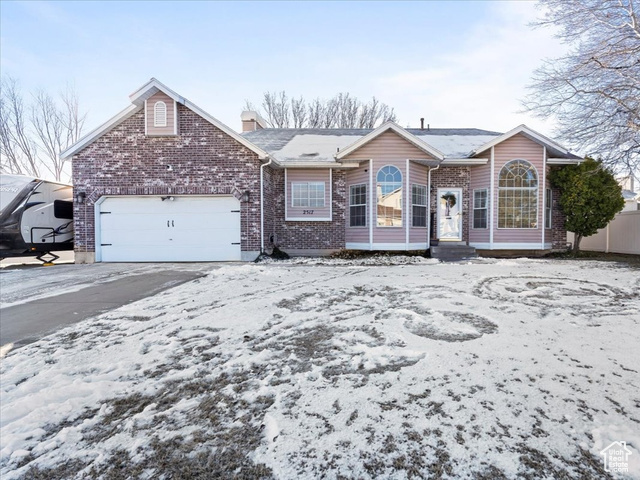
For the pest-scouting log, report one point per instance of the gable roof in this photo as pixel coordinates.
(319, 146)
(391, 126)
(554, 149)
(138, 98)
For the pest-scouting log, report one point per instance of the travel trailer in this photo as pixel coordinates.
(36, 217)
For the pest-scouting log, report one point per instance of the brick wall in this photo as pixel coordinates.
(453, 177)
(559, 232)
(204, 160)
(306, 235)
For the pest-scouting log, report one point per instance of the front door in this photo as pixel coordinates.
(450, 214)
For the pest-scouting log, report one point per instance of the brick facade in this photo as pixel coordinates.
(300, 235)
(452, 177)
(204, 161)
(559, 232)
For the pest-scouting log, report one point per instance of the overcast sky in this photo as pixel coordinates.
(457, 64)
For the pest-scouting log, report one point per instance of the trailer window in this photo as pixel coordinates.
(63, 209)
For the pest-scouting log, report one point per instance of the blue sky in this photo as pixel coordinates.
(458, 64)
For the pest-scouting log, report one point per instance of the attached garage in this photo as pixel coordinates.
(168, 229)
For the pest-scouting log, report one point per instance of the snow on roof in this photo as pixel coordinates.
(320, 145)
(457, 146)
(319, 148)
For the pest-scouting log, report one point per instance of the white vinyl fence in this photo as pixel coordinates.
(622, 235)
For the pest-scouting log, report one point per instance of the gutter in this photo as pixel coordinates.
(429, 207)
(262, 203)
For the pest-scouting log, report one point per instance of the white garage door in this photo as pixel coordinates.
(169, 229)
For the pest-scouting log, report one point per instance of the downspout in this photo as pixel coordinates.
(262, 203)
(372, 201)
(429, 206)
(544, 195)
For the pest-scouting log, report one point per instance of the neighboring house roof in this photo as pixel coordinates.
(137, 99)
(630, 195)
(301, 146)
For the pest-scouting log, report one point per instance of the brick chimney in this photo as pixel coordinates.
(252, 121)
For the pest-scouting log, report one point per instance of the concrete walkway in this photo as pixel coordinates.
(28, 322)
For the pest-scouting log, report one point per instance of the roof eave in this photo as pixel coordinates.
(464, 162)
(564, 161)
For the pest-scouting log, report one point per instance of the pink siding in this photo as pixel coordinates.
(388, 146)
(387, 149)
(518, 147)
(480, 179)
(356, 177)
(417, 175)
(308, 213)
(170, 128)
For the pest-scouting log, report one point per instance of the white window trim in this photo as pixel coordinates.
(536, 189)
(156, 105)
(401, 192)
(419, 205)
(486, 208)
(359, 204)
(308, 184)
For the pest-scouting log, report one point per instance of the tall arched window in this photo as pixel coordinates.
(518, 195)
(160, 114)
(389, 194)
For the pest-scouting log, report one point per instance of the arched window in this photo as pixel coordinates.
(518, 195)
(389, 194)
(160, 114)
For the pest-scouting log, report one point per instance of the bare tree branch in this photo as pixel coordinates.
(340, 111)
(593, 91)
(32, 137)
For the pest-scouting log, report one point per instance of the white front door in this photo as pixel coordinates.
(169, 229)
(450, 214)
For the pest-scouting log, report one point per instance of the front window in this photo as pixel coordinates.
(358, 205)
(389, 197)
(518, 195)
(480, 208)
(419, 205)
(307, 194)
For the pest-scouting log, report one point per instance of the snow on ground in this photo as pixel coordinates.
(491, 369)
(21, 284)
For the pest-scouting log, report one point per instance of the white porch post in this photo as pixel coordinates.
(492, 203)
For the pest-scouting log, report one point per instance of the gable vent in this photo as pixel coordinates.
(160, 114)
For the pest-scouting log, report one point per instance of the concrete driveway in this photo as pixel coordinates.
(37, 301)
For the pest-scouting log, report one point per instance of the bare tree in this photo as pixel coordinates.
(32, 137)
(19, 152)
(298, 112)
(340, 111)
(594, 90)
(276, 107)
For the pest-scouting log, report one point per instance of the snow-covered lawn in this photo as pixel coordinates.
(491, 369)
